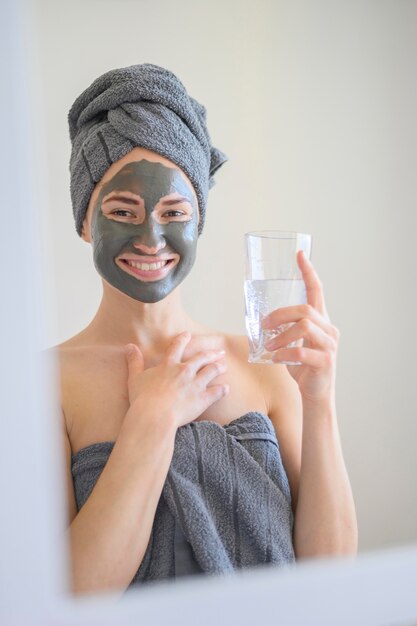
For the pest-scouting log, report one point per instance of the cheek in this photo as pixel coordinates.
(108, 234)
(188, 252)
(182, 236)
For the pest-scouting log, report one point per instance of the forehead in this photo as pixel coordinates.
(143, 172)
(146, 177)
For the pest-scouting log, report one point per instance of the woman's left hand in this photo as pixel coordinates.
(316, 377)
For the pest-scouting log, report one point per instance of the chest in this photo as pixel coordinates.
(95, 400)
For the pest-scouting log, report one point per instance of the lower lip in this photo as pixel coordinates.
(147, 275)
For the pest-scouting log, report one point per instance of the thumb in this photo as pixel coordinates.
(134, 357)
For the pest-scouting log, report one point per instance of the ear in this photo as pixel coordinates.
(86, 231)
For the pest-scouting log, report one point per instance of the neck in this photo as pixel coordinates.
(121, 320)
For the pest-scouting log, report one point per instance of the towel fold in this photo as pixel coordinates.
(141, 105)
(226, 490)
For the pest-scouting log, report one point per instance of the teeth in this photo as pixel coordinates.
(147, 266)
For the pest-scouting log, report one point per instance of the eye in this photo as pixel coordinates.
(173, 213)
(176, 215)
(121, 213)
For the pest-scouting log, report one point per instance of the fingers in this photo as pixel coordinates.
(296, 313)
(304, 329)
(214, 393)
(313, 284)
(209, 372)
(205, 366)
(134, 357)
(204, 358)
(176, 349)
(316, 359)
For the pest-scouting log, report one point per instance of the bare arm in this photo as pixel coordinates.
(324, 511)
(325, 517)
(109, 536)
(325, 520)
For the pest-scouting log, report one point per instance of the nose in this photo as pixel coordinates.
(151, 239)
(148, 249)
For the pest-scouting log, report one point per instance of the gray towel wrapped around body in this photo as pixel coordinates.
(226, 492)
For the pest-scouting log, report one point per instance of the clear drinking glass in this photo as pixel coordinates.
(272, 280)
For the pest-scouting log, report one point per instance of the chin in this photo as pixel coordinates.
(151, 299)
(148, 296)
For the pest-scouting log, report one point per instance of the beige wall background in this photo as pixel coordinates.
(314, 102)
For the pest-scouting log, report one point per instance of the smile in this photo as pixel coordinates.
(147, 266)
(150, 271)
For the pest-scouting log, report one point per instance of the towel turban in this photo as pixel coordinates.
(141, 105)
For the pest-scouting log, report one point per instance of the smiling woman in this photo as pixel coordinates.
(182, 457)
(148, 240)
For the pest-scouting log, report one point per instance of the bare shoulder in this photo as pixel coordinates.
(71, 355)
(79, 368)
(277, 384)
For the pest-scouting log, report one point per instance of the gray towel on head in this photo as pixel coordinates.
(141, 105)
(226, 489)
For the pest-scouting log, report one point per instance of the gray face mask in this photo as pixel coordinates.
(131, 210)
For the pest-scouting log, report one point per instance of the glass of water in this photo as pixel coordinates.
(272, 280)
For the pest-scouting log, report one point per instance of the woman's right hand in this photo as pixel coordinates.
(174, 390)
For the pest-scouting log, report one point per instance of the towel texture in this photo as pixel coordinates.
(141, 105)
(226, 489)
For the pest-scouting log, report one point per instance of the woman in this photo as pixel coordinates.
(143, 375)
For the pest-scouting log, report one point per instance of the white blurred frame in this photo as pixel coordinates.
(374, 588)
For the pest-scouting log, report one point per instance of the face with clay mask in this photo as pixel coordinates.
(144, 230)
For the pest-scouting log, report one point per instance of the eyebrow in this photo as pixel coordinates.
(122, 198)
(176, 201)
(128, 200)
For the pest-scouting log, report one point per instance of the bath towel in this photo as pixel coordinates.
(226, 493)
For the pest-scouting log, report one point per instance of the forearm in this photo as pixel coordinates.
(109, 536)
(325, 519)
